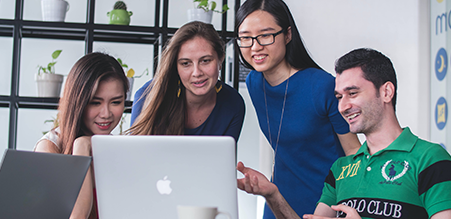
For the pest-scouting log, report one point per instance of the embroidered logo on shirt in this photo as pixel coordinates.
(349, 170)
(391, 171)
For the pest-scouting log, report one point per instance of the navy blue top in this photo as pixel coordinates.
(308, 144)
(226, 118)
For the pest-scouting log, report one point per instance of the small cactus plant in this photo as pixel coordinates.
(120, 5)
(119, 15)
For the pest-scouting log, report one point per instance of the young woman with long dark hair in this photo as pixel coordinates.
(92, 103)
(294, 100)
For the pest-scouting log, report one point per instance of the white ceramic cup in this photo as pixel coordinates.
(54, 10)
(199, 212)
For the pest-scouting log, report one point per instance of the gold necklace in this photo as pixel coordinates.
(280, 124)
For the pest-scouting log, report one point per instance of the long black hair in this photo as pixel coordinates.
(296, 53)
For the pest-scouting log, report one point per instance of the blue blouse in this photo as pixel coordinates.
(226, 118)
(308, 143)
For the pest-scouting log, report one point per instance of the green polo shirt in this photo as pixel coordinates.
(411, 178)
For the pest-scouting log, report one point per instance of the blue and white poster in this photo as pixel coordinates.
(440, 61)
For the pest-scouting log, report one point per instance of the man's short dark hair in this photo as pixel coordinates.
(376, 67)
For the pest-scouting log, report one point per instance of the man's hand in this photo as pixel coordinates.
(351, 213)
(255, 182)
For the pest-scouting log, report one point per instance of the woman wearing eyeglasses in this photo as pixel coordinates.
(294, 100)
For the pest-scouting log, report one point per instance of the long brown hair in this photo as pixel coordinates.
(81, 85)
(163, 113)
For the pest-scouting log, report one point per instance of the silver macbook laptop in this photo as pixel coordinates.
(148, 176)
(40, 185)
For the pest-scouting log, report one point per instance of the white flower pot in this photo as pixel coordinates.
(54, 10)
(49, 85)
(130, 88)
(197, 14)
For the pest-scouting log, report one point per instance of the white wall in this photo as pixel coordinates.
(399, 29)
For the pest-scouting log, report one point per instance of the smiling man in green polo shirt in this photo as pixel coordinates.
(393, 175)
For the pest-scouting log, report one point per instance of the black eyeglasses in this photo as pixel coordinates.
(262, 39)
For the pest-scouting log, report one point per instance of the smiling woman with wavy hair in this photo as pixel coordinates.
(186, 97)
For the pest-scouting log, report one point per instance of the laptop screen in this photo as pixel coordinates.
(148, 176)
(40, 185)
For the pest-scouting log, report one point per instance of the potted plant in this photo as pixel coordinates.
(49, 83)
(204, 11)
(119, 15)
(131, 76)
(54, 10)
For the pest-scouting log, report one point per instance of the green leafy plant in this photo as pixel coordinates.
(210, 6)
(54, 121)
(130, 72)
(50, 68)
(123, 121)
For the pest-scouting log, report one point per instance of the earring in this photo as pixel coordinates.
(179, 90)
(218, 86)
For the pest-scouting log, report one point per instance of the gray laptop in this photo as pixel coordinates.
(40, 185)
(148, 176)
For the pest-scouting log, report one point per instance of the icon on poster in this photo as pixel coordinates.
(441, 64)
(441, 113)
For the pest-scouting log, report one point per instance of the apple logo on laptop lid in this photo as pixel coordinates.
(163, 186)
